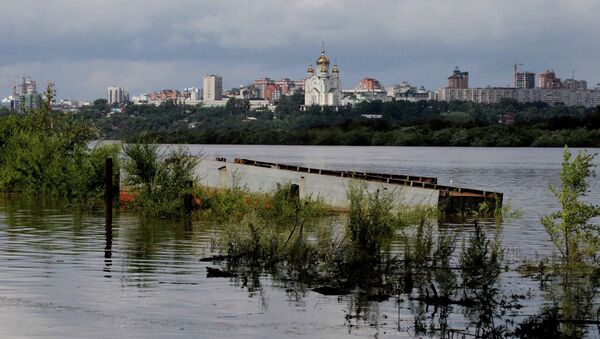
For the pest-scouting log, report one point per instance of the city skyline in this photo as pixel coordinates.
(142, 46)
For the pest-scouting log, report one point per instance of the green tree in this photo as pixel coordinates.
(101, 105)
(237, 106)
(570, 229)
(46, 153)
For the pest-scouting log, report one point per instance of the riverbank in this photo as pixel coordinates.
(397, 123)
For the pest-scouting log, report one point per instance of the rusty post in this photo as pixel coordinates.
(295, 191)
(108, 190)
(188, 199)
(295, 195)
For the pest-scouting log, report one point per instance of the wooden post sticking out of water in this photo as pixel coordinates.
(188, 199)
(295, 191)
(108, 188)
(295, 195)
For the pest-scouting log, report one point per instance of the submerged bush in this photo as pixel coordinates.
(576, 239)
(161, 178)
(371, 220)
(480, 261)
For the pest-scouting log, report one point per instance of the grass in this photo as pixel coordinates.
(283, 234)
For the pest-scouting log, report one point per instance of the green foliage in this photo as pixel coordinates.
(428, 123)
(237, 106)
(278, 229)
(87, 175)
(142, 162)
(480, 261)
(228, 205)
(43, 153)
(162, 178)
(252, 239)
(371, 221)
(101, 105)
(576, 239)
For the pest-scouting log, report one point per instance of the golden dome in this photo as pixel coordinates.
(310, 69)
(335, 69)
(323, 59)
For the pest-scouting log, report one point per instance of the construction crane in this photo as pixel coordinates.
(516, 69)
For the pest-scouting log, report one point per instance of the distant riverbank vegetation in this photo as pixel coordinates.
(426, 123)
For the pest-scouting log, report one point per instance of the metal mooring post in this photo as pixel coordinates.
(108, 188)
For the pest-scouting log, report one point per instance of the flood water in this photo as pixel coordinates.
(62, 277)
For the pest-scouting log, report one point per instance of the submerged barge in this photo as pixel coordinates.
(332, 185)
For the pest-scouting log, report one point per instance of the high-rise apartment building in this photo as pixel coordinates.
(525, 80)
(262, 84)
(575, 84)
(115, 94)
(213, 88)
(28, 98)
(548, 79)
(28, 87)
(458, 79)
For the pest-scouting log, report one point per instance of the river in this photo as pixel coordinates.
(60, 279)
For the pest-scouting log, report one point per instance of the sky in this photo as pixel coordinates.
(146, 45)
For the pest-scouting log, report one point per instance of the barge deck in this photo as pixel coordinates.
(332, 185)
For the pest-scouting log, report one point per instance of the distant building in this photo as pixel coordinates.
(141, 99)
(322, 88)
(213, 88)
(458, 79)
(248, 92)
(552, 96)
(273, 90)
(261, 85)
(30, 101)
(192, 96)
(287, 86)
(575, 84)
(548, 79)
(116, 95)
(7, 102)
(525, 80)
(27, 98)
(369, 85)
(28, 87)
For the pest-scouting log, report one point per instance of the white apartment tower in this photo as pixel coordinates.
(323, 88)
(213, 88)
(115, 94)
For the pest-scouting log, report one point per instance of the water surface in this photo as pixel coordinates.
(62, 277)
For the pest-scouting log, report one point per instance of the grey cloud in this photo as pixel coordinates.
(85, 46)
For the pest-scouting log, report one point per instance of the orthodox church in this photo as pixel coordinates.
(322, 88)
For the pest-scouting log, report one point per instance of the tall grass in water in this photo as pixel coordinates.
(359, 256)
(162, 178)
(371, 222)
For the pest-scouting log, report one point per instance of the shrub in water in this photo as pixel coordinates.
(570, 230)
(162, 179)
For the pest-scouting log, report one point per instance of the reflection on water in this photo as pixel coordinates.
(65, 275)
(144, 275)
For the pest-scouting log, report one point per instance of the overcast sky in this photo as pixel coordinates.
(147, 45)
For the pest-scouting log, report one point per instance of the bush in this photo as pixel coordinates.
(575, 238)
(371, 221)
(46, 154)
(162, 179)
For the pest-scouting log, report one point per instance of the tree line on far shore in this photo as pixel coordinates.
(397, 123)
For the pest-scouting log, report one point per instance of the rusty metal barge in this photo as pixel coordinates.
(332, 185)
